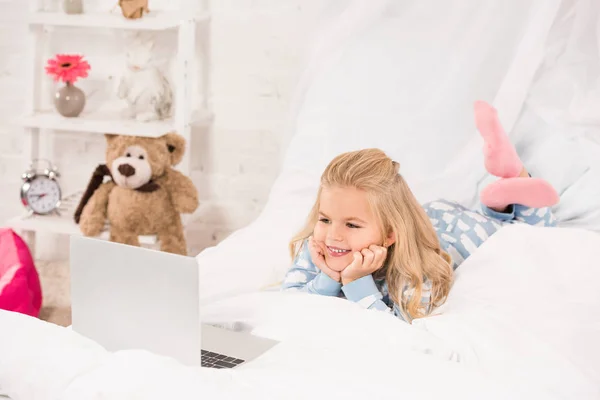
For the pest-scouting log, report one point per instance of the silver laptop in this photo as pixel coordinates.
(127, 297)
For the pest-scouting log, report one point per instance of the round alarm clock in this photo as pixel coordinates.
(40, 192)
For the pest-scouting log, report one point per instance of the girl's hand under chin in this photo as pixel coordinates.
(365, 263)
(317, 253)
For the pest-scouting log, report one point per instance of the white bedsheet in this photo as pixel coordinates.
(522, 321)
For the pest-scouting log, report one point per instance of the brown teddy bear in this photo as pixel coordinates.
(144, 195)
(134, 9)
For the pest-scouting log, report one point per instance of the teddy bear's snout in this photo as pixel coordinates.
(126, 170)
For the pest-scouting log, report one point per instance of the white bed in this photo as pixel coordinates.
(523, 318)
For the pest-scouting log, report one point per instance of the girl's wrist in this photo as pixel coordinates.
(332, 276)
(346, 281)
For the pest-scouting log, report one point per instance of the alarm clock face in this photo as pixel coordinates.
(42, 195)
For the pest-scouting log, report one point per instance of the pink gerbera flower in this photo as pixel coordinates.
(67, 68)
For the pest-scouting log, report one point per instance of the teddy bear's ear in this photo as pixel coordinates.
(176, 146)
(109, 137)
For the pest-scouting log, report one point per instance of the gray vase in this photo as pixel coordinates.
(69, 101)
(73, 6)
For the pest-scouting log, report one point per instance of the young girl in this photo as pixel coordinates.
(367, 238)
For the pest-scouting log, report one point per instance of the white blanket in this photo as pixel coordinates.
(522, 321)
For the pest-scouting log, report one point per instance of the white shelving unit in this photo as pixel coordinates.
(35, 120)
(154, 21)
(99, 122)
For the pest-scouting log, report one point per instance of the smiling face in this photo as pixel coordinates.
(346, 224)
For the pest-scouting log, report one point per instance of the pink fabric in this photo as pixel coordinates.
(501, 158)
(20, 289)
(530, 192)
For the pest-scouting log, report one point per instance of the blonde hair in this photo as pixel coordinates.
(415, 254)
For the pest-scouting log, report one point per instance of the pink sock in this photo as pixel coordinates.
(530, 192)
(501, 158)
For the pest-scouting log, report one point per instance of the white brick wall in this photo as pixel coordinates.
(256, 49)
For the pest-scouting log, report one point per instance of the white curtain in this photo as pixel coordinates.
(558, 130)
(403, 76)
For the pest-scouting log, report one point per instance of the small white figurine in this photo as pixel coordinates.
(143, 86)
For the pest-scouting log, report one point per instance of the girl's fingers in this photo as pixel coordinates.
(357, 261)
(315, 254)
(368, 258)
(322, 247)
(316, 245)
(380, 254)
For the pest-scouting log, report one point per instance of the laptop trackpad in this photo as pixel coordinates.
(238, 345)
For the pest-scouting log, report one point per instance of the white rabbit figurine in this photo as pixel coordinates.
(143, 86)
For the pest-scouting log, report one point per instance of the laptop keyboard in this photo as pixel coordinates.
(216, 360)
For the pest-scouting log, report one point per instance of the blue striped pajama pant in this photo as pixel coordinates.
(461, 230)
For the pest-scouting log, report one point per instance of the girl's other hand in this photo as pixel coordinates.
(317, 253)
(365, 263)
